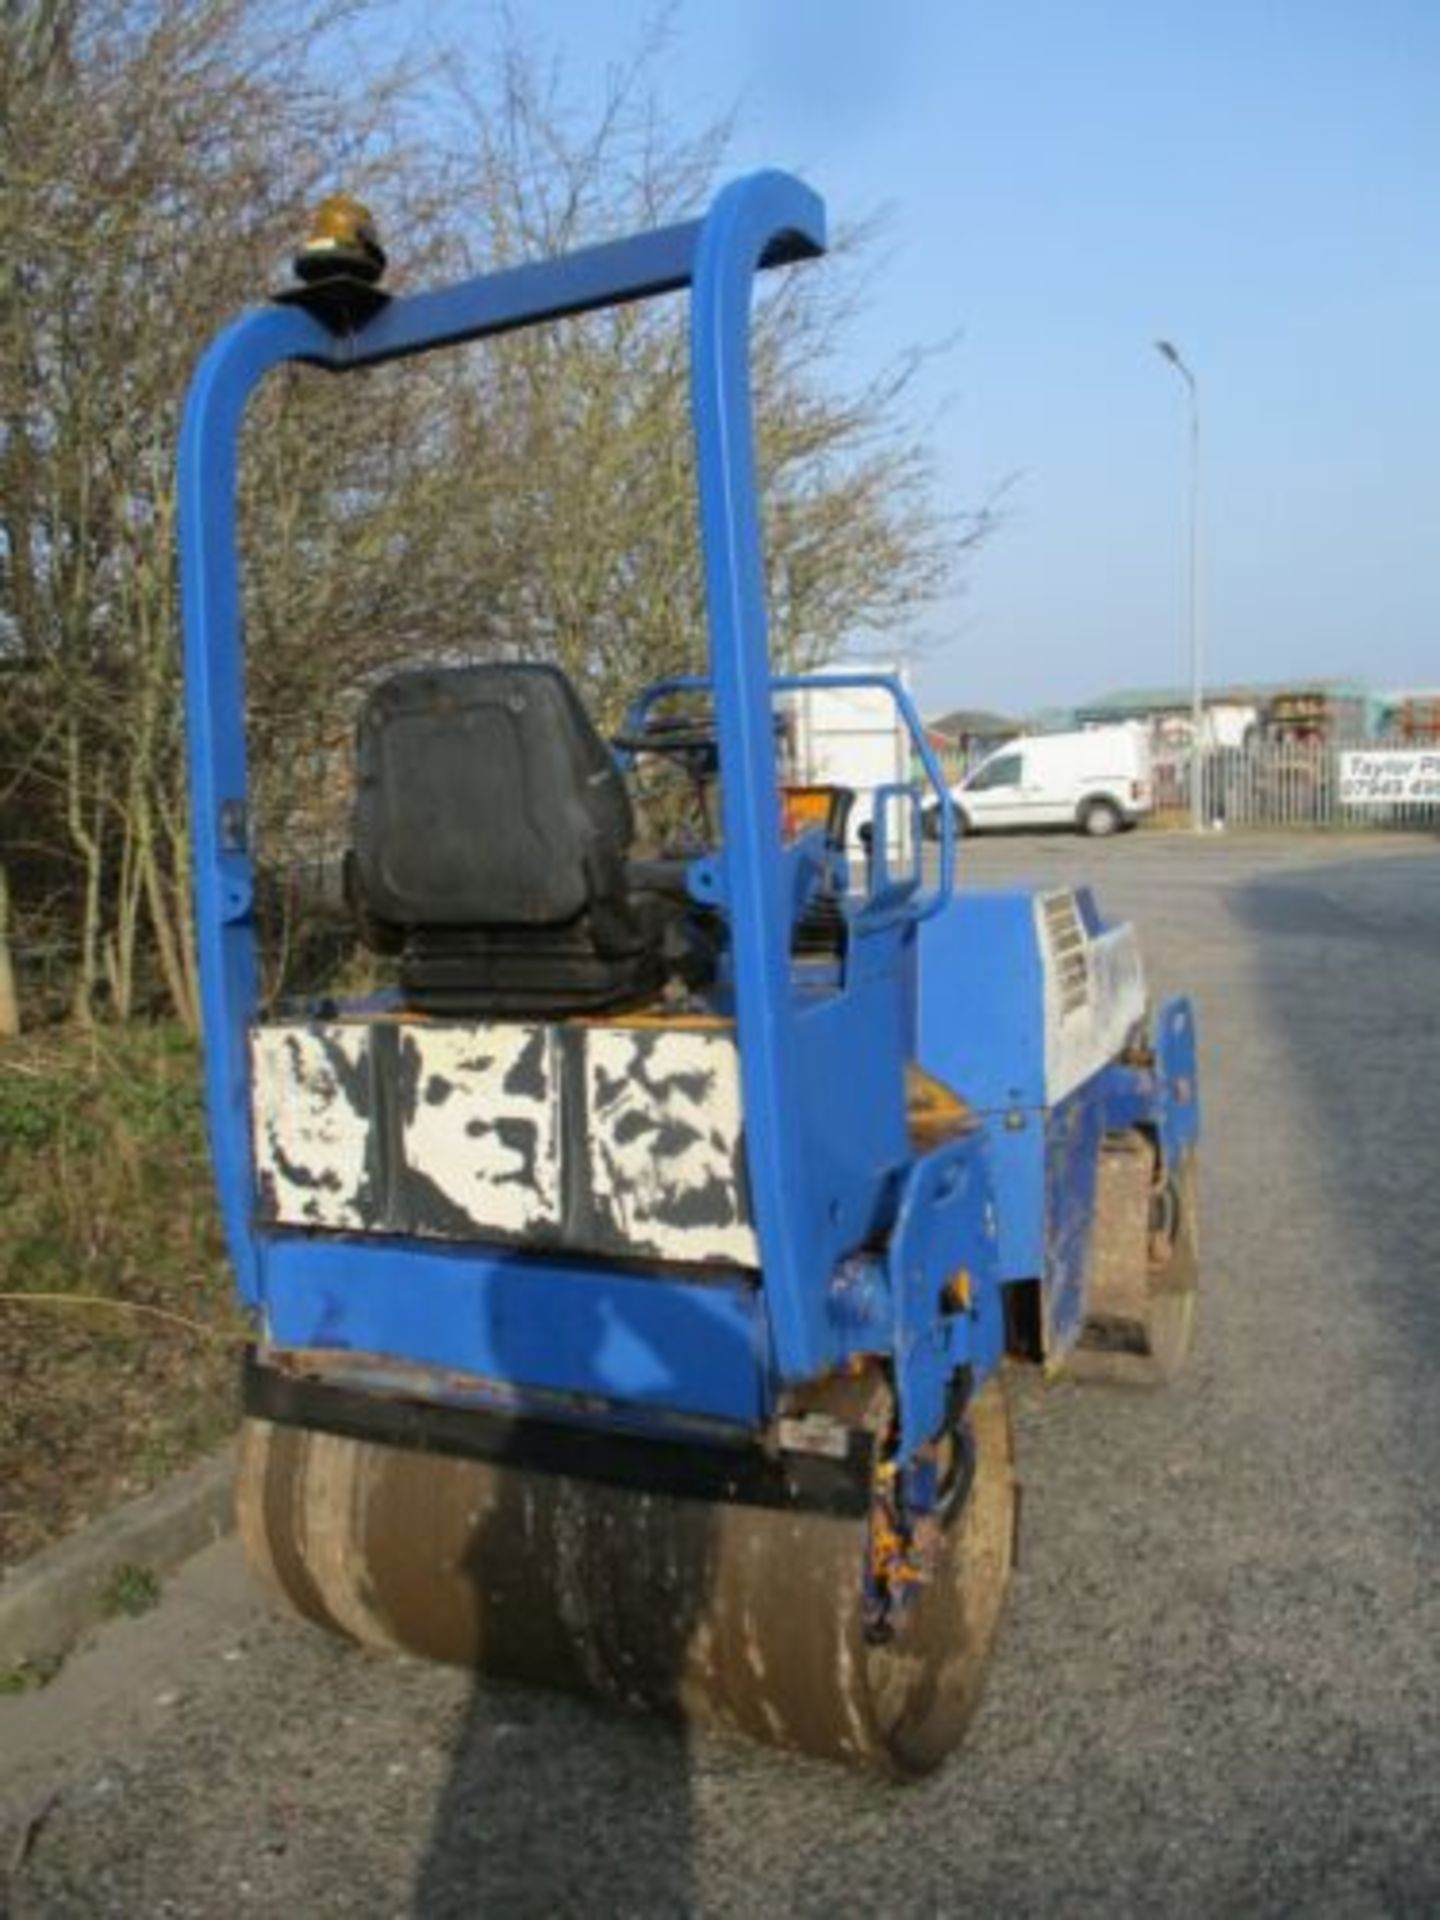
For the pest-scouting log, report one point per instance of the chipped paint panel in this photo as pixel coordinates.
(666, 1144)
(480, 1127)
(1094, 986)
(620, 1140)
(312, 1104)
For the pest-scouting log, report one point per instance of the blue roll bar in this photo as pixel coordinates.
(766, 219)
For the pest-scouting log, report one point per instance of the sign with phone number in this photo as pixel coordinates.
(1389, 777)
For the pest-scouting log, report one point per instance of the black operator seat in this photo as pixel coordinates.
(492, 826)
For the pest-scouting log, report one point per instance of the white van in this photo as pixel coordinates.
(1097, 781)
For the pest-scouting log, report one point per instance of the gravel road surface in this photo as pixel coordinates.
(1219, 1686)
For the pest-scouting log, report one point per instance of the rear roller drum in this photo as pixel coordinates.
(1145, 1269)
(740, 1617)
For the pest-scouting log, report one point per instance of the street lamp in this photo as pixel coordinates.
(1168, 350)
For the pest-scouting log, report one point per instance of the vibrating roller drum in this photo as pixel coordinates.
(741, 1617)
(1145, 1268)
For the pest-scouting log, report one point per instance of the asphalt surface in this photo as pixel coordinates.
(1218, 1690)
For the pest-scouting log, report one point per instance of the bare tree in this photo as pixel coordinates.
(153, 157)
(533, 497)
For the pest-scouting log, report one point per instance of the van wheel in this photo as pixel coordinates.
(1099, 818)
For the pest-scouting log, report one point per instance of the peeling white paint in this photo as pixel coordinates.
(665, 1125)
(485, 1127)
(310, 1137)
(485, 1113)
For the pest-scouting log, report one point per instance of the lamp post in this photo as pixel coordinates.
(1169, 351)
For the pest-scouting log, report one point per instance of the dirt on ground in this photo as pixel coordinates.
(119, 1342)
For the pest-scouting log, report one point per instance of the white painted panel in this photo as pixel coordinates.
(310, 1104)
(480, 1123)
(484, 1115)
(664, 1117)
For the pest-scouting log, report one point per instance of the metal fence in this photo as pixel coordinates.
(1274, 783)
(1277, 783)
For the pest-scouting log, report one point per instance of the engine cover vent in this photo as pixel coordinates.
(1070, 950)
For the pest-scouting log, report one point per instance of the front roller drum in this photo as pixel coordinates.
(745, 1618)
(1145, 1268)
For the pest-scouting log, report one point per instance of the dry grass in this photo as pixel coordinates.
(105, 1204)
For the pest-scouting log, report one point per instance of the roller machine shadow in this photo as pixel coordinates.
(633, 1286)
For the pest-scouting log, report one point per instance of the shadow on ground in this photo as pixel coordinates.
(591, 1589)
(1349, 964)
(559, 1807)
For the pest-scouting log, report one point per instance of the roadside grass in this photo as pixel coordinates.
(130, 1591)
(28, 1676)
(106, 1206)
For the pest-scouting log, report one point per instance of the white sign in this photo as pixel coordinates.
(1389, 777)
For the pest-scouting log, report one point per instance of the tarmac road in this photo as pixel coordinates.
(1219, 1687)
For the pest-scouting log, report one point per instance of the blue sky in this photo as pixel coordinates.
(1260, 182)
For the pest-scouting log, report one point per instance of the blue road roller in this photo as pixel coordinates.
(635, 1279)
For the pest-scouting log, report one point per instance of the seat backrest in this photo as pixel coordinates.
(485, 798)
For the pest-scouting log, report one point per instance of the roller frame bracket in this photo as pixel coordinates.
(743, 1473)
(946, 1225)
(1161, 1093)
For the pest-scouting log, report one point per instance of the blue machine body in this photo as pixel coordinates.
(984, 1027)
(861, 1237)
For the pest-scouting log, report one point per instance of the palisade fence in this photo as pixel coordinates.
(1340, 784)
(1276, 783)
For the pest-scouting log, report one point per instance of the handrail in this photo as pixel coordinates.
(890, 683)
(686, 683)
